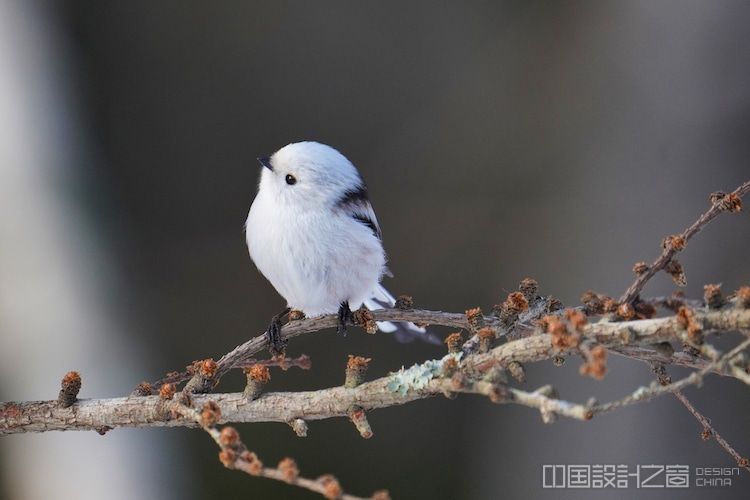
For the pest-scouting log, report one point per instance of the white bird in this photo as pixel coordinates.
(312, 232)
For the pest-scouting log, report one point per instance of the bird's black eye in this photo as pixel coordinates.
(290, 179)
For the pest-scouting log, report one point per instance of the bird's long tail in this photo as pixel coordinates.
(404, 331)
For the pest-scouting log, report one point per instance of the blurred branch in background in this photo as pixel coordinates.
(526, 327)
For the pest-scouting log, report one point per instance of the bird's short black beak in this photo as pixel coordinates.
(266, 162)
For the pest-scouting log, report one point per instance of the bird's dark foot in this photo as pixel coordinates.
(345, 318)
(276, 345)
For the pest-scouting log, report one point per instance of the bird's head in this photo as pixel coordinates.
(308, 175)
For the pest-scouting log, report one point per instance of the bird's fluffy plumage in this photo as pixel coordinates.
(317, 239)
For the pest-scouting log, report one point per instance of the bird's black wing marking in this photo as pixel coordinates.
(357, 204)
(367, 222)
(354, 197)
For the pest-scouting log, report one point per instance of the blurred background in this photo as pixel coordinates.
(558, 140)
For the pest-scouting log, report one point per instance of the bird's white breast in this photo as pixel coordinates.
(315, 259)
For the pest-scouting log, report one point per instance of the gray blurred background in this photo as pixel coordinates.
(558, 140)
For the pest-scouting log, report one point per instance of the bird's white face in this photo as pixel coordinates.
(308, 176)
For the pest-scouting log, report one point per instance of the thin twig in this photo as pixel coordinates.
(235, 455)
(302, 361)
(239, 356)
(695, 378)
(709, 430)
(651, 355)
(669, 251)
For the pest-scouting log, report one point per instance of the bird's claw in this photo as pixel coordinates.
(345, 318)
(276, 345)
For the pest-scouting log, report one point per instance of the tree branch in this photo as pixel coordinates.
(720, 202)
(709, 431)
(240, 355)
(392, 390)
(533, 328)
(235, 455)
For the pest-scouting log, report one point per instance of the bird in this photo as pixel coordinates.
(312, 233)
